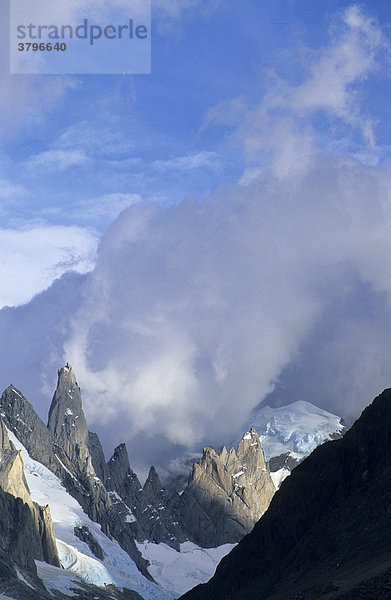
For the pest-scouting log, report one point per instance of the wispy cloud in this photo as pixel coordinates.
(57, 160)
(96, 139)
(9, 192)
(283, 123)
(200, 160)
(107, 206)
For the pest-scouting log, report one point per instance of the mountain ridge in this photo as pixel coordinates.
(226, 493)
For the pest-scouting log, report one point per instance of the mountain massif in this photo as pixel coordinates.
(102, 515)
(326, 534)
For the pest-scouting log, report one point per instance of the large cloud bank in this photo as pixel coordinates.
(192, 313)
(279, 285)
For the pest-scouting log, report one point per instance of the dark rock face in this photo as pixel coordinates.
(147, 509)
(20, 535)
(5, 443)
(85, 535)
(67, 422)
(227, 493)
(284, 461)
(97, 456)
(21, 419)
(120, 475)
(331, 518)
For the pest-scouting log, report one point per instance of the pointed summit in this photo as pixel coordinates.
(119, 469)
(20, 418)
(152, 486)
(67, 422)
(227, 493)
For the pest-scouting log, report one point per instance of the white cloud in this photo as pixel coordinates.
(192, 313)
(96, 141)
(33, 258)
(57, 160)
(250, 175)
(106, 206)
(10, 192)
(200, 160)
(280, 125)
(348, 60)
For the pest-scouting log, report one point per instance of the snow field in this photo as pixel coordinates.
(179, 572)
(297, 428)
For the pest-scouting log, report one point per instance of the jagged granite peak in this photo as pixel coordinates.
(67, 422)
(148, 509)
(152, 486)
(119, 471)
(20, 417)
(227, 493)
(72, 463)
(68, 427)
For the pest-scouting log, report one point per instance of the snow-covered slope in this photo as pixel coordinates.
(175, 572)
(297, 428)
(76, 557)
(279, 476)
(178, 572)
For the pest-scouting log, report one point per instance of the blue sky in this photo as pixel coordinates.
(145, 138)
(253, 169)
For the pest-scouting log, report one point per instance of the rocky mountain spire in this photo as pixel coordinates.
(152, 486)
(148, 508)
(20, 417)
(227, 493)
(120, 475)
(67, 422)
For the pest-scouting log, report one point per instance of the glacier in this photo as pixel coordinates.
(297, 428)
